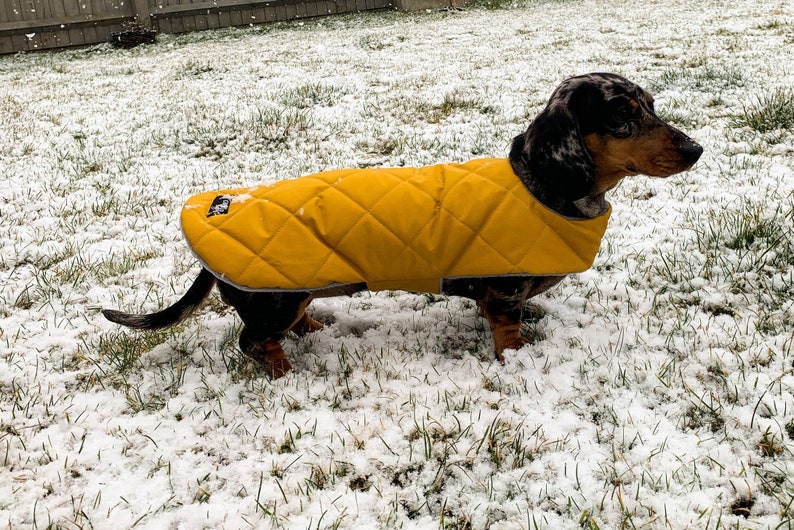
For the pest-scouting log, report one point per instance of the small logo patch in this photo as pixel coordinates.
(220, 205)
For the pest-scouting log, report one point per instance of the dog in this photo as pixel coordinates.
(595, 130)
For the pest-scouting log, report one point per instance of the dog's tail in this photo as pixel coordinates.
(171, 315)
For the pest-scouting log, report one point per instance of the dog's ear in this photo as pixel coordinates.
(553, 148)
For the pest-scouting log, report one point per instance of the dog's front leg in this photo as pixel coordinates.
(503, 310)
(503, 306)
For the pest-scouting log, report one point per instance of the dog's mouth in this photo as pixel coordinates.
(666, 165)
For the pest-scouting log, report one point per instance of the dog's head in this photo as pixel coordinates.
(595, 130)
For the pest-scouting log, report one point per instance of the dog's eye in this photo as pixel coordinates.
(624, 114)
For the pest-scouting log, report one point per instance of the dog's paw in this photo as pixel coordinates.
(277, 367)
(305, 325)
(511, 343)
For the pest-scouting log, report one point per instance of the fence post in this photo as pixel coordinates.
(140, 8)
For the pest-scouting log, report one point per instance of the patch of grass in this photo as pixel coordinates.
(311, 95)
(194, 68)
(742, 506)
(696, 417)
(770, 112)
(772, 25)
(682, 112)
(530, 323)
(751, 237)
(790, 429)
(274, 126)
(703, 78)
(119, 351)
(373, 42)
(215, 133)
(506, 445)
(587, 521)
(771, 445)
(115, 266)
(491, 4)
(454, 102)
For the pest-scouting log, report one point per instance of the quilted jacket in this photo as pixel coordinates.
(395, 228)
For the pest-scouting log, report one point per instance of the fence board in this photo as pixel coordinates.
(27, 25)
(61, 37)
(14, 10)
(76, 36)
(86, 9)
(140, 9)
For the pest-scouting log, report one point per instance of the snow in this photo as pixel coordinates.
(658, 391)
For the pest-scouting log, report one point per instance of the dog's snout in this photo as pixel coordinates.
(690, 151)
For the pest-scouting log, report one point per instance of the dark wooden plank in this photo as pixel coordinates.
(59, 12)
(6, 45)
(140, 8)
(257, 16)
(31, 26)
(177, 25)
(103, 33)
(215, 6)
(75, 33)
(201, 22)
(20, 42)
(163, 25)
(4, 16)
(236, 18)
(189, 23)
(302, 10)
(225, 19)
(24, 10)
(34, 41)
(43, 40)
(89, 32)
(41, 9)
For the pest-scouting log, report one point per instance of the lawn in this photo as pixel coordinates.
(658, 391)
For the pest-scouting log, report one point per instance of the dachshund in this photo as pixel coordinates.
(595, 130)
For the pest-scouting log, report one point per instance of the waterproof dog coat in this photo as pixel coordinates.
(395, 228)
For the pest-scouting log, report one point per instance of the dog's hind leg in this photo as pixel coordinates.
(267, 317)
(266, 351)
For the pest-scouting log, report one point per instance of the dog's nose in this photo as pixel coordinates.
(691, 151)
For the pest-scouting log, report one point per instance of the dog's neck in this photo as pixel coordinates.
(589, 206)
(592, 205)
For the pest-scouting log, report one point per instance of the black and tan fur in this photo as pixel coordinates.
(595, 130)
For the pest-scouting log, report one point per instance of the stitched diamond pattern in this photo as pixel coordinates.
(387, 227)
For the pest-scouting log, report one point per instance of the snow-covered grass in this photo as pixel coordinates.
(658, 391)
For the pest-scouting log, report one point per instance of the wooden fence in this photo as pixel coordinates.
(27, 25)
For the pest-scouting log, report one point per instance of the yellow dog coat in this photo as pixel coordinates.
(395, 228)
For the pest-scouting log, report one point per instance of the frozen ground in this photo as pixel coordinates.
(657, 394)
